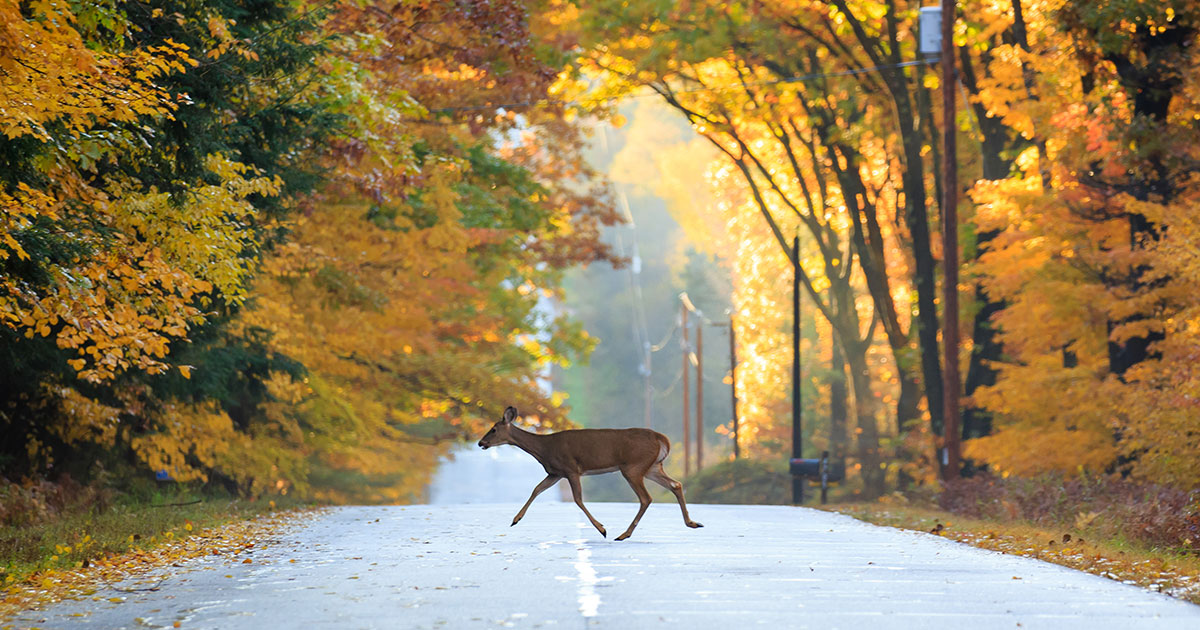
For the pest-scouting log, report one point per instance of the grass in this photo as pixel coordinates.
(1089, 549)
(78, 534)
(1134, 533)
(741, 481)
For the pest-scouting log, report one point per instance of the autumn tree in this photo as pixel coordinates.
(238, 247)
(842, 115)
(1090, 243)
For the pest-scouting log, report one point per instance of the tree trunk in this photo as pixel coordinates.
(986, 348)
(837, 399)
(1151, 79)
(916, 218)
(864, 414)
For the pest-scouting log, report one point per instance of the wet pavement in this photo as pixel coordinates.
(458, 564)
(462, 566)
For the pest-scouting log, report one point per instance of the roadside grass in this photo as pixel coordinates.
(1090, 549)
(740, 482)
(75, 548)
(77, 534)
(1133, 533)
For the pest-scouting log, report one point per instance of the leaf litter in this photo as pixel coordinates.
(1178, 578)
(143, 565)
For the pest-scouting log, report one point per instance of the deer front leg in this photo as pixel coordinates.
(577, 492)
(659, 476)
(635, 479)
(541, 487)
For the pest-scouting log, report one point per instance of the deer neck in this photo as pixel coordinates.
(531, 443)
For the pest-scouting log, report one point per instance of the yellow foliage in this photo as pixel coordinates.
(204, 232)
(1029, 451)
(1063, 262)
(189, 441)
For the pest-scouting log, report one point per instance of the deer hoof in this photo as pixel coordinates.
(602, 532)
(623, 536)
(694, 524)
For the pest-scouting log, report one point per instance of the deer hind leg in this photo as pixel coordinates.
(541, 487)
(659, 476)
(635, 478)
(577, 492)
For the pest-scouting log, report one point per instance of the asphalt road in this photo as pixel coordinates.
(464, 567)
(461, 566)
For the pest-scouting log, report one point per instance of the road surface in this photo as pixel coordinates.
(462, 566)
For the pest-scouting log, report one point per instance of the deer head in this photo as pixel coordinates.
(501, 431)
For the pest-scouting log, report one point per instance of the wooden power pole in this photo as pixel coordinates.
(950, 340)
(733, 387)
(797, 434)
(700, 396)
(687, 394)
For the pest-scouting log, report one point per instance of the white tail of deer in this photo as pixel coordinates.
(637, 453)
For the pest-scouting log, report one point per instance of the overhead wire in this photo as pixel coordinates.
(666, 338)
(696, 90)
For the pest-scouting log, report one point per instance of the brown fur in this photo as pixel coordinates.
(637, 453)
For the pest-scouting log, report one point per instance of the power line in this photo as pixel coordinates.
(667, 337)
(783, 81)
(687, 303)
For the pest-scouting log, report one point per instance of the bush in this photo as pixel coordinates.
(741, 481)
(37, 501)
(1159, 516)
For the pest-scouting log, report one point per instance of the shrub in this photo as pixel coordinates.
(741, 481)
(37, 501)
(1159, 516)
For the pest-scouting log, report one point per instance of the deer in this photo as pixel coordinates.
(571, 454)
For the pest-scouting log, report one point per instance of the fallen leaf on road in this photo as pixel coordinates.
(49, 586)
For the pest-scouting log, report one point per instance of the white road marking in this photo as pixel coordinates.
(430, 568)
(589, 599)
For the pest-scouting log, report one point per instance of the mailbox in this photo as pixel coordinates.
(806, 467)
(823, 470)
(818, 468)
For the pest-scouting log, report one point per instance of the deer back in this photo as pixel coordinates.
(582, 451)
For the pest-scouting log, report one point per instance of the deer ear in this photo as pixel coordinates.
(510, 414)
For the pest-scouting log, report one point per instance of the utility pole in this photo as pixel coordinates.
(797, 445)
(733, 386)
(687, 425)
(648, 390)
(950, 386)
(700, 396)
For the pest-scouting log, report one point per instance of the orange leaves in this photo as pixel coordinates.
(202, 231)
(222, 40)
(122, 313)
(50, 75)
(1090, 256)
(201, 434)
(17, 212)
(1034, 448)
(148, 256)
(142, 559)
